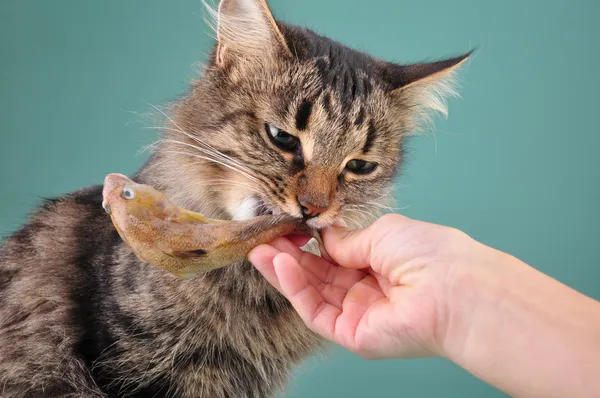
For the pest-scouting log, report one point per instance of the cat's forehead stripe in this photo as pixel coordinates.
(360, 118)
(303, 114)
(327, 103)
(371, 134)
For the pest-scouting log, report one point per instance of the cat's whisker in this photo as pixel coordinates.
(234, 184)
(381, 201)
(365, 206)
(194, 155)
(377, 204)
(365, 217)
(196, 139)
(212, 153)
(179, 129)
(246, 187)
(388, 194)
(390, 208)
(361, 213)
(160, 336)
(371, 211)
(208, 148)
(229, 182)
(355, 220)
(383, 207)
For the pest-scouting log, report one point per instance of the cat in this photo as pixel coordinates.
(280, 120)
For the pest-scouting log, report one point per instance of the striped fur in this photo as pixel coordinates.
(81, 316)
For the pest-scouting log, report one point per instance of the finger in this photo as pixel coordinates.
(318, 266)
(315, 311)
(344, 277)
(262, 258)
(331, 281)
(334, 295)
(283, 244)
(322, 250)
(357, 302)
(384, 283)
(349, 248)
(326, 272)
(298, 240)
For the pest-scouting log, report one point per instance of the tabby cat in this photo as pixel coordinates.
(281, 120)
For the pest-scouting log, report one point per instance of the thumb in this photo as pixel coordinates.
(348, 248)
(356, 248)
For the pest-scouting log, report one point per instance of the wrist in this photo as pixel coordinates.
(520, 330)
(476, 290)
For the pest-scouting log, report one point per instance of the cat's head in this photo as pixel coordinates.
(284, 120)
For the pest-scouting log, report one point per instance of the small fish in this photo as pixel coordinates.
(183, 242)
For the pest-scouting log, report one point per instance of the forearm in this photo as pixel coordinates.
(524, 332)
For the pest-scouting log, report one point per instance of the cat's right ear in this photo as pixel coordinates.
(246, 30)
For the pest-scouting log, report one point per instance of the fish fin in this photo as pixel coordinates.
(197, 217)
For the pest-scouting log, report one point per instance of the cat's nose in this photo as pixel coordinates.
(309, 210)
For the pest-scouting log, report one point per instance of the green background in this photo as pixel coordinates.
(515, 165)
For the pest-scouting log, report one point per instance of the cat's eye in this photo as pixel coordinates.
(281, 139)
(358, 166)
(128, 194)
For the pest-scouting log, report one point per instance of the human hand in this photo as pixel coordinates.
(390, 295)
(406, 288)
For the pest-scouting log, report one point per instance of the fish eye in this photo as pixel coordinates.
(128, 194)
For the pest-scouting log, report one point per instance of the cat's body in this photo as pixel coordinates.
(77, 303)
(281, 120)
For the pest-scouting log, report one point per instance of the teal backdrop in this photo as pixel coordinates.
(515, 165)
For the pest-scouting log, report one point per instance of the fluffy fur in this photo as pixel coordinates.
(81, 316)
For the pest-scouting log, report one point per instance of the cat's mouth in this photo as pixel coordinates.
(257, 205)
(263, 208)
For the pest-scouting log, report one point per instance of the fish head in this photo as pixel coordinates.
(123, 197)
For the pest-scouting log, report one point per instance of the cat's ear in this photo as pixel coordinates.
(245, 30)
(425, 86)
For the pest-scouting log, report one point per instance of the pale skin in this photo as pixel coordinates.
(404, 288)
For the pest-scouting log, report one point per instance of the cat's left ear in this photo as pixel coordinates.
(246, 30)
(425, 85)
